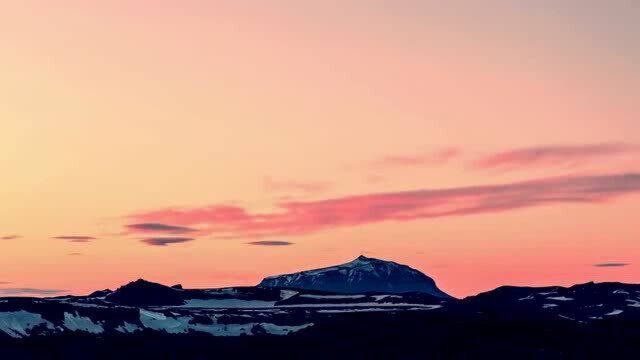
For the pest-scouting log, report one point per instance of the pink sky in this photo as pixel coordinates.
(484, 143)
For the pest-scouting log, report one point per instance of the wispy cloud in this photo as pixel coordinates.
(164, 241)
(611, 264)
(270, 243)
(305, 217)
(160, 228)
(422, 159)
(30, 292)
(75, 238)
(75, 254)
(273, 185)
(10, 237)
(555, 155)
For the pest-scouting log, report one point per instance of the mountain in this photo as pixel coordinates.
(582, 303)
(362, 275)
(149, 320)
(142, 292)
(367, 308)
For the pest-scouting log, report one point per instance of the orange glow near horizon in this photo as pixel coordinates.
(408, 130)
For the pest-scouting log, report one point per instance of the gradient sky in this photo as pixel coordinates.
(213, 143)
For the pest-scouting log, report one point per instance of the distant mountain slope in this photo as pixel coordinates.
(361, 275)
(582, 302)
(145, 309)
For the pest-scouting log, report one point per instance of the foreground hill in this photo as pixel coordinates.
(143, 319)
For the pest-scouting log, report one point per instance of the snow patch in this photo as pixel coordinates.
(160, 322)
(18, 323)
(309, 296)
(227, 304)
(128, 328)
(285, 294)
(376, 309)
(614, 312)
(359, 305)
(74, 322)
(560, 298)
(87, 305)
(382, 297)
(283, 330)
(633, 303)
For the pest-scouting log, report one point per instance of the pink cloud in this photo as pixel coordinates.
(560, 155)
(432, 158)
(305, 217)
(295, 186)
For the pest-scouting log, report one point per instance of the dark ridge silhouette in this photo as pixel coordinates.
(142, 292)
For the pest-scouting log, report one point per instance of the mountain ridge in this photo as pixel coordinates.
(361, 275)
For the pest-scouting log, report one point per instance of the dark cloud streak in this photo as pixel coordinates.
(611, 265)
(75, 238)
(30, 292)
(158, 227)
(164, 241)
(270, 243)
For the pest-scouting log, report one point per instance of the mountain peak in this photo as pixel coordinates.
(141, 282)
(363, 274)
(363, 258)
(145, 292)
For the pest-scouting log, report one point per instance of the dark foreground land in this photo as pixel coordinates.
(145, 320)
(403, 335)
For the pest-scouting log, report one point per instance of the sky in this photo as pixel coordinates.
(212, 143)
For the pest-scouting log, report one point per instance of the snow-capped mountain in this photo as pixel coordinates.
(362, 275)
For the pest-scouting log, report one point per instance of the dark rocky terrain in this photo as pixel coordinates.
(147, 320)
